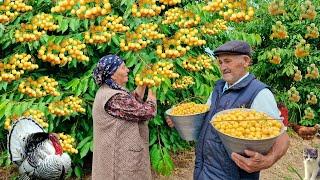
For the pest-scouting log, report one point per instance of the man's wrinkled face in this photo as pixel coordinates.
(233, 67)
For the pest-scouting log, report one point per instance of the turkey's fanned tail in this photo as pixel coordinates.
(17, 136)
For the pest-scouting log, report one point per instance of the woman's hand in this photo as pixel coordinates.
(151, 95)
(139, 91)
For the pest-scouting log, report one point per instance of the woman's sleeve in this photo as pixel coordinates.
(127, 107)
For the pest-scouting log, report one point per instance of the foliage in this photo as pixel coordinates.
(289, 78)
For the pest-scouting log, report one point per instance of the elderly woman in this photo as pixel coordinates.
(120, 124)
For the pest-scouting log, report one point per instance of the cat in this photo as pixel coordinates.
(311, 164)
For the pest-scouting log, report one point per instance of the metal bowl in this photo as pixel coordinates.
(233, 144)
(188, 126)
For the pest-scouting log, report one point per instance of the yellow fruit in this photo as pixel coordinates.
(189, 108)
(247, 124)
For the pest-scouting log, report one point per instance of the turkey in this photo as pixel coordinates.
(37, 154)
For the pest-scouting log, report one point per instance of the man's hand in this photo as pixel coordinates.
(254, 162)
(169, 122)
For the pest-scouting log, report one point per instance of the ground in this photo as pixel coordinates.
(289, 167)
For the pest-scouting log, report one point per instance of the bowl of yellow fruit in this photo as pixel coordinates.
(188, 118)
(241, 129)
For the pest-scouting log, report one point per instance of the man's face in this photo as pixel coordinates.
(233, 67)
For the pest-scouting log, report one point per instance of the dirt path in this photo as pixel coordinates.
(293, 159)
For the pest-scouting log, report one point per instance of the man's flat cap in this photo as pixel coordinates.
(234, 47)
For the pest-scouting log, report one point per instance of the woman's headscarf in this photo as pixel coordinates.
(106, 67)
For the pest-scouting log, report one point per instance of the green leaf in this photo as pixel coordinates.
(86, 24)
(153, 136)
(84, 141)
(165, 140)
(84, 151)
(131, 60)
(9, 106)
(137, 68)
(155, 156)
(115, 39)
(78, 171)
(3, 108)
(92, 86)
(64, 25)
(74, 24)
(83, 86)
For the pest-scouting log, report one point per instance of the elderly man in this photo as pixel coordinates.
(238, 88)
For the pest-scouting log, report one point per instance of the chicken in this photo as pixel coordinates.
(37, 154)
(306, 133)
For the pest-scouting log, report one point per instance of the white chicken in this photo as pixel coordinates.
(38, 154)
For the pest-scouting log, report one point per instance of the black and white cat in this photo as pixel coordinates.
(311, 164)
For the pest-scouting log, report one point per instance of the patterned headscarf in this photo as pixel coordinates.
(106, 67)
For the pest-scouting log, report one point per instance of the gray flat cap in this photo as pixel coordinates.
(233, 47)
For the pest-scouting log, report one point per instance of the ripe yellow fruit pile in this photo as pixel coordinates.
(68, 143)
(312, 72)
(274, 56)
(63, 6)
(39, 88)
(308, 11)
(173, 47)
(231, 10)
(32, 31)
(36, 115)
(156, 74)
(293, 95)
(198, 63)
(312, 98)
(139, 39)
(149, 31)
(190, 37)
(276, 7)
(133, 42)
(183, 82)
(308, 113)
(279, 31)
(247, 124)
(312, 32)
(297, 74)
(146, 8)
(16, 67)
(302, 49)
(44, 21)
(104, 32)
(190, 108)
(181, 17)
(170, 2)
(214, 27)
(64, 52)
(97, 35)
(27, 33)
(67, 106)
(101, 8)
(9, 120)
(114, 23)
(17, 6)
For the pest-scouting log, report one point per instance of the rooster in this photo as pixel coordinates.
(37, 154)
